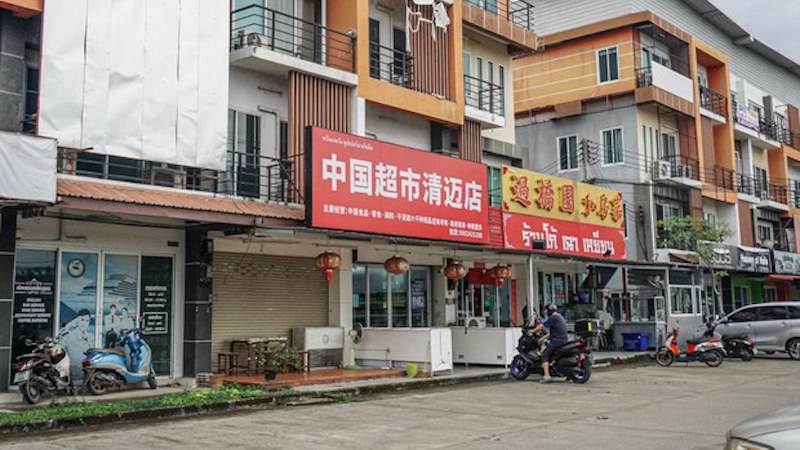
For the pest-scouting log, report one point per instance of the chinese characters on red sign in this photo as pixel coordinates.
(359, 184)
(560, 236)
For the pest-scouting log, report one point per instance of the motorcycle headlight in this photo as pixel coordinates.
(739, 444)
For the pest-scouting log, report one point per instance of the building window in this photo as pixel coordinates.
(612, 146)
(669, 149)
(244, 155)
(495, 190)
(682, 302)
(742, 296)
(568, 152)
(384, 300)
(796, 193)
(762, 182)
(608, 64)
(501, 81)
(770, 294)
(765, 235)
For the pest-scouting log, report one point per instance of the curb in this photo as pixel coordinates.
(306, 398)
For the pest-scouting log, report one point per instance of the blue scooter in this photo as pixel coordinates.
(105, 368)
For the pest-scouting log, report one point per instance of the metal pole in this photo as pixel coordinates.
(531, 284)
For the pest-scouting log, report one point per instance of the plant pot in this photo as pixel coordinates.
(270, 375)
(216, 381)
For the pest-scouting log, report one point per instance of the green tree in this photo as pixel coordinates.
(700, 237)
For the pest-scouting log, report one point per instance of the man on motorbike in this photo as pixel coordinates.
(557, 328)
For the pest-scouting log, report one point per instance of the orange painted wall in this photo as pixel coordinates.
(342, 17)
(22, 8)
(568, 72)
(392, 96)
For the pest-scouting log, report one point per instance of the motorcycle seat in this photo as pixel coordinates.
(699, 340)
(729, 337)
(116, 351)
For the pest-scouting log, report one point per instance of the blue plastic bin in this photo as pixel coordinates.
(635, 341)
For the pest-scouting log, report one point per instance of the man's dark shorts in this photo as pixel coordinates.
(548, 351)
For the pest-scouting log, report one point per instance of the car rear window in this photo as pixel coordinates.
(794, 312)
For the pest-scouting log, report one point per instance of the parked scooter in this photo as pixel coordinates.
(739, 346)
(572, 360)
(45, 369)
(105, 368)
(705, 349)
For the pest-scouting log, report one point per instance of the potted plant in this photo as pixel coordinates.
(280, 359)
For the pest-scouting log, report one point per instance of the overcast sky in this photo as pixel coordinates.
(773, 22)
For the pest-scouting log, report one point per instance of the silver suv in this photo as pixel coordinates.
(775, 326)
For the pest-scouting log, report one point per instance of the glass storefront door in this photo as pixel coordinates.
(382, 300)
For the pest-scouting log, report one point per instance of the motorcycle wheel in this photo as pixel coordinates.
(152, 382)
(665, 358)
(583, 374)
(713, 359)
(519, 369)
(746, 354)
(95, 386)
(30, 393)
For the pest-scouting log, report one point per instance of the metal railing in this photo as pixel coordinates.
(258, 26)
(484, 95)
(765, 127)
(723, 177)
(764, 190)
(644, 77)
(518, 12)
(248, 175)
(392, 65)
(713, 101)
(682, 166)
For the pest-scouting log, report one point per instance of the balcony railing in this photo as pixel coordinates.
(258, 26)
(518, 12)
(484, 95)
(755, 121)
(723, 177)
(248, 175)
(761, 189)
(713, 101)
(392, 65)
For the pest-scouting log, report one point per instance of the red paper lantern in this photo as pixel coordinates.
(455, 270)
(396, 265)
(328, 262)
(501, 273)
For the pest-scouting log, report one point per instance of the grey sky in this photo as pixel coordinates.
(773, 22)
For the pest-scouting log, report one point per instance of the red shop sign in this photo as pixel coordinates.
(563, 237)
(359, 184)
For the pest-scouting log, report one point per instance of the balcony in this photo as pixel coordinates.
(722, 177)
(269, 41)
(392, 65)
(666, 79)
(247, 176)
(485, 101)
(767, 195)
(679, 169)
(509, 20)
(713, 104)
(750, 122)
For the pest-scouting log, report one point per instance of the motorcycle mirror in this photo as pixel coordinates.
(29, 343)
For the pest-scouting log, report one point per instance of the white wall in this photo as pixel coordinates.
(398, 128)
(142, 79)
(264, 96)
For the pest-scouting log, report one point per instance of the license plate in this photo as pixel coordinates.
(21, 377)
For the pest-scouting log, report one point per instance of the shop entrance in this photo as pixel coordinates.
(482, 302)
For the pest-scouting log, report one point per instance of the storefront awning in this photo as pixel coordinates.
(779, 277)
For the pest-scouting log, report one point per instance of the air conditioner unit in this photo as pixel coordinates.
(323, 344)
(475, 322)
(662, 170)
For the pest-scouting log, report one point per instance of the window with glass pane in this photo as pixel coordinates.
(378, 297)
(608, 64)
(419, 297)
(568, 152)
(244, 149)
(495, 190)
(745, 315)
(612, 146)
(501, 81)
(360, 295)
(399, 292)
(681, 300)
(766, 313)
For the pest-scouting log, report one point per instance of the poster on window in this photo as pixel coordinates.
(419, 294)
(34, 298)
(120, 281)
(78, 304)
(156, 308)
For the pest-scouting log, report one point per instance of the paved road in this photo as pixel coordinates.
(633, 408)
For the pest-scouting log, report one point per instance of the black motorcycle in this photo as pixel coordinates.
(739, 346)
(572, 360)
(44, 370)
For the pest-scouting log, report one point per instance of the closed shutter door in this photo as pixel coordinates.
(264, 296)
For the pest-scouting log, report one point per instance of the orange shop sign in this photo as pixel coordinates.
(536, 194)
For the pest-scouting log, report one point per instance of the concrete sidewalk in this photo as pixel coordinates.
(12, 400)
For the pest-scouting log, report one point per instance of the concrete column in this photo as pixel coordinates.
(198, 304)
(8, 234)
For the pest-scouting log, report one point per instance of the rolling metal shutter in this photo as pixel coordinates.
(264, 296)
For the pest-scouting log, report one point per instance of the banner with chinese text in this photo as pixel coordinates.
(535, 194)
(564, 237)
(359, 184)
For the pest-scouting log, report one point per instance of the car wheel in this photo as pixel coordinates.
(793, 349)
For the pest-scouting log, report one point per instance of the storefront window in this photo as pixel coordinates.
(681, 300)
(378, 296)
(372, 289)
(156, 309)
(34, 299)
(78, 309)
(120, 279)
(360, 295)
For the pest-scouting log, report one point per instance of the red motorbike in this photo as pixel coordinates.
(707, 349)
